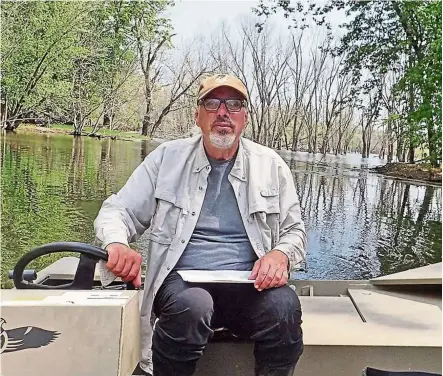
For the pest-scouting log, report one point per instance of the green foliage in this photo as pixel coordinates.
(68, 60)
(425, 74)
(38, 42)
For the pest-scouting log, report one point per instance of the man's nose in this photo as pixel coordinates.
(222, 110)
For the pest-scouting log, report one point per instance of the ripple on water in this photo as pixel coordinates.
(359, 225)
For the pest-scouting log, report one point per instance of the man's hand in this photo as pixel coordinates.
(271, 270)
(125, 263)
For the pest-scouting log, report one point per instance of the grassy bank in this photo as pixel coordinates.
(67, 129)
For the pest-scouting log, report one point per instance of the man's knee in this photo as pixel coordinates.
(279, 312)
(282, 303)
(194, 304)
(184, 328)
(277, 329)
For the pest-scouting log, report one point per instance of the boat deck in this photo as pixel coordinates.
(393, 323)
(352, 313)
(369, 318)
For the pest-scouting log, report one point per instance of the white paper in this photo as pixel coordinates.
(216, 276)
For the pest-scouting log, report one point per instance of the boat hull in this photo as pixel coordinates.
(347, 326)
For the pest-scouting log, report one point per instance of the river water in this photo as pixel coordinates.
(359, 224)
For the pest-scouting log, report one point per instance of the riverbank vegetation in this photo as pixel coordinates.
(87, 131)
(372, 85)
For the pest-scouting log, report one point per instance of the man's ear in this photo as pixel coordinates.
(246, 116)
(196, 117)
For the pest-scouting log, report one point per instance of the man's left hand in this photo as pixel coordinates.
(271, 270)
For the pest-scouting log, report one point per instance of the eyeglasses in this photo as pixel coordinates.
(213, 104)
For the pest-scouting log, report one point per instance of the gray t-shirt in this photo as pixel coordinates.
(219, 241)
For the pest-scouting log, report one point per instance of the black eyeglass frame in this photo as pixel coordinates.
(244, 103)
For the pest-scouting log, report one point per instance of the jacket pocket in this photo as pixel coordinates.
(166, 217)
(267, 215)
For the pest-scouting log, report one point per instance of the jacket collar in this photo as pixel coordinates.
(238, 169)
(201, 159)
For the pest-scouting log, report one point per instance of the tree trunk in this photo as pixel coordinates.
(365, 151)
(159, 120)
(434, 158)
(148, 95)
(400, 150)
(390, 151)
(339, 142)
(78, 125)
(390, 144)
(403, 155)
(411, 153)
(147, 118)
(294, 134)
(108, 116)
(3, 113)
(11, 125)
(145, 124)
(381, 153)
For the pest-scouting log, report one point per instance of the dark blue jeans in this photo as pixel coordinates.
(188, 312)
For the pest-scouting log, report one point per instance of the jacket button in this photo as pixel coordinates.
(183, 240)
(193, 213)
(207, 167)
(200, 187)
(168, 268)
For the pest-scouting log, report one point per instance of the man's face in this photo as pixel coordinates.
(221, 128)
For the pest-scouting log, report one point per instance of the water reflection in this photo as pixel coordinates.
(362, 225)
(359, 224)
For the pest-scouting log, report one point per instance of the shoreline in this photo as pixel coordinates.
(420, 173)
(58, 129)
(414, 172)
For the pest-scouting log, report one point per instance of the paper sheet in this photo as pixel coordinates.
(216, 276)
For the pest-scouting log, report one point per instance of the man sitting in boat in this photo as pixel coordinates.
(216, 201)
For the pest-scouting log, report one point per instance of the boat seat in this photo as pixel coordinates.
(378, 372)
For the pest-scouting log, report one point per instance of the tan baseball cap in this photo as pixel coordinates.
(217, 80)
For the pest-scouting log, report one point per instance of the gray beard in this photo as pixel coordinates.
(221, 140)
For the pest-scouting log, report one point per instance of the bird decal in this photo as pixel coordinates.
(25, 337)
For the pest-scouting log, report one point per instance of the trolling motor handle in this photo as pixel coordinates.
(84, 275)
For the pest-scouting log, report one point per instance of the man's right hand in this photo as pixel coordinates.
(125, 263)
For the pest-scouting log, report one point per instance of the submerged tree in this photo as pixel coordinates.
(388, 36)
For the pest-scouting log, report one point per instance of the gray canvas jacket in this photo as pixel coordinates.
(164, 196)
